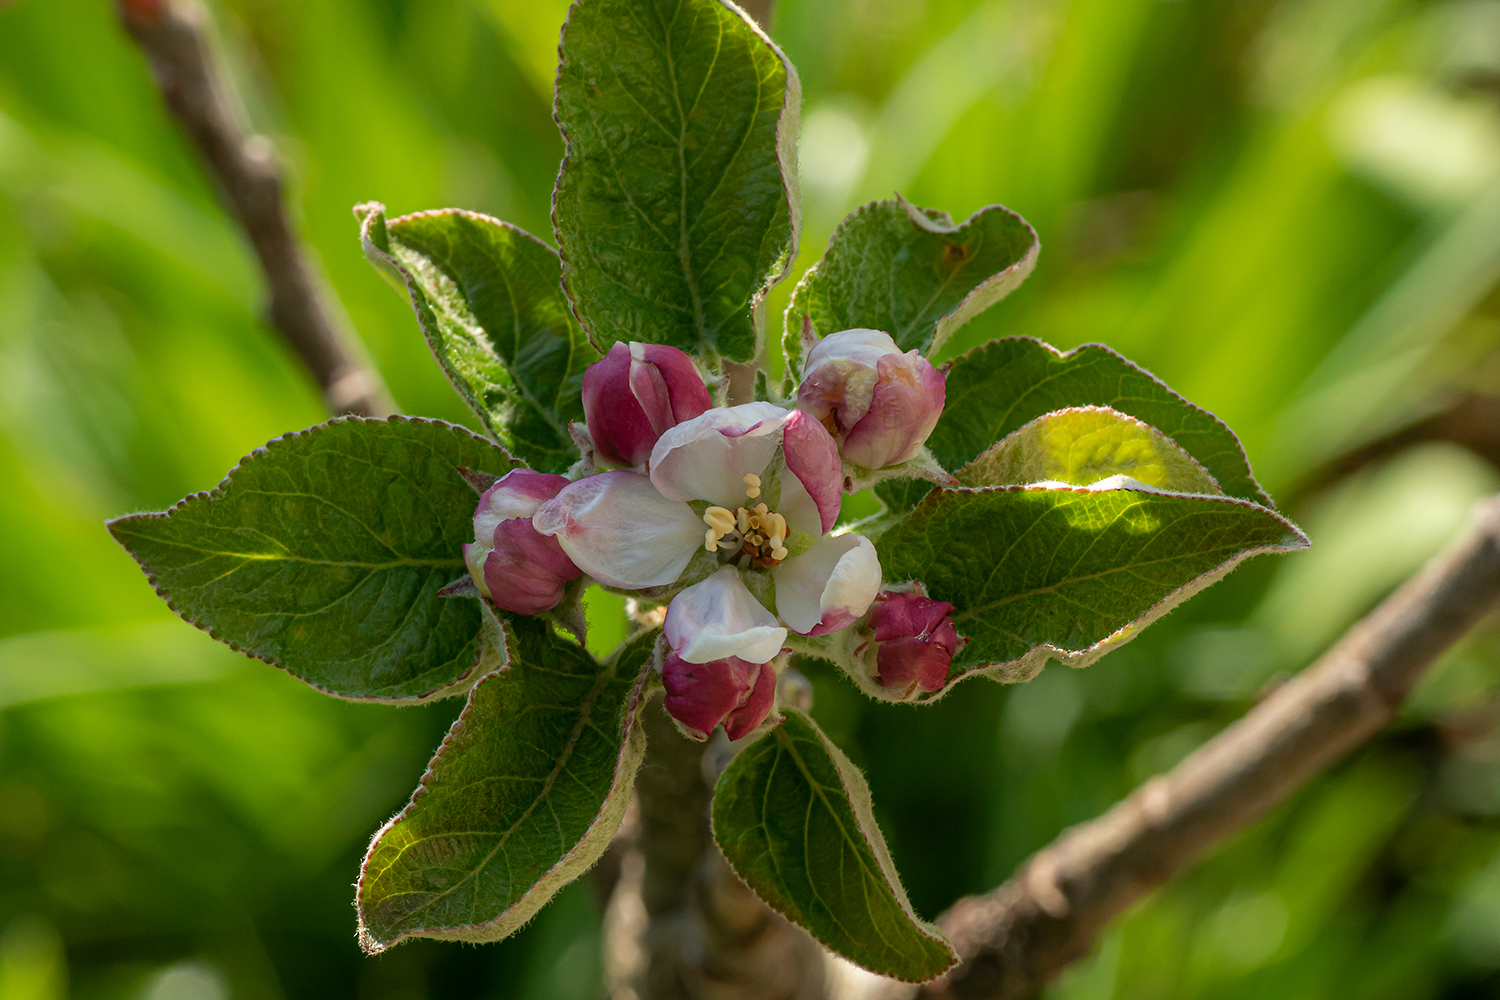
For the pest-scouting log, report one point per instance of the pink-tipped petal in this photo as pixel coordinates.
(619, 530)
(812, 456)
(916, 640)
(634, 394)
(747, 718)
(525, 572)
(908, 400)
(840, 375)
(707, 458)
(830, 585)
(702, 695)
(719, 618)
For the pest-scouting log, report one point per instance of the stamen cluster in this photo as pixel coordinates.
(750, 535)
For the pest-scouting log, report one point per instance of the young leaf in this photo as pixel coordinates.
(792, 816)
(998, 387)
(911, 272)
(523, 796)
(1084, 444)
(1069, 572)
(489, 301)
(676, 206)
(324, 551)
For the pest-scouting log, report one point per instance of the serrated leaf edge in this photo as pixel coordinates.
(1030, 663)
(458, 686)
(570, 866)
(988, 292)
(861, 804)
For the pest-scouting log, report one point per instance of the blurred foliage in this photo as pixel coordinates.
(1289, 209)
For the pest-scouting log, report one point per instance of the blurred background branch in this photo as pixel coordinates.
(173, 34)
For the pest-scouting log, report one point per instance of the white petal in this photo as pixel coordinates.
(707, 458)
(837, 578)
(719, 618)
(864, 347)
(619, 530)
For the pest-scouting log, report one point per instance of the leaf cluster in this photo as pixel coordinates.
(1090, 498)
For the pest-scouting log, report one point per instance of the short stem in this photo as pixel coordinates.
(741, 382)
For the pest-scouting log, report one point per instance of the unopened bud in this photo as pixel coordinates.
(514, 566)
(913, 641)
(635, 395)
(731, 691)
(879, 403)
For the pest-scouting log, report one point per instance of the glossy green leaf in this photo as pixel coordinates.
(324, 551)
(676, 205)
(911, 272)
(792, 816)
(1069, 572)
(1084, 444)
(1000, 386)
(523, 796)
(489, 301)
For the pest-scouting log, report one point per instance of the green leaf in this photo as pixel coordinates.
(524, 795)
(489, 301)
(324, 551)
(1070, 572)
(911, 272)
(1000, 386)
(676, 205)
(1084, 444)
(792, 816)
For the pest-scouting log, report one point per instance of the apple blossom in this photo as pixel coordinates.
(514, 566)
(635, 531)
(881, 404)
(635, 395)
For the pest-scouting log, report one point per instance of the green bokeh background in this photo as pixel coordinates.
(1288, 209)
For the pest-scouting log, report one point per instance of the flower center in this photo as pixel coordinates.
(753, 535)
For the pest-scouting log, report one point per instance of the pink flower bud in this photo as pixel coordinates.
(880, 404)
(635, 395)
(914, 640)
(514, 566)
(729, 691)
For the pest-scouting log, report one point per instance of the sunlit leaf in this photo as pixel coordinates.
(1069, 572)
(675, 208)
(1082, 445)
(324, 551)
(522, 798)
(489, 300)
(792, 816)
(997, 388)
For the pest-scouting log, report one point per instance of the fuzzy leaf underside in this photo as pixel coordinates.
(1084, 444)
(489, 301)
(323, 552)
(911, 272)
(1069, 572)
(1001, 386)
(792, 816)
(676, 206)
(523, 796)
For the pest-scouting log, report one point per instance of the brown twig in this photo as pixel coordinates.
(1473, 423)
(172, 35)
(1018, 937)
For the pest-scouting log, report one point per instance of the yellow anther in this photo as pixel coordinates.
(776, 541)
(762, 509)
(711, 541)
(743, 520)
(779, 553)
(719, 519)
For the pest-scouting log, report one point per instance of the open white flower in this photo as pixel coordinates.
(633, 531)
